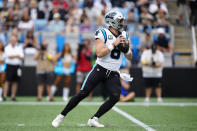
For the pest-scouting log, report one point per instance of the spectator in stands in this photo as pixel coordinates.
(132, 21)
(56, 25)
(30, 40)
(11, 20)
(152, 64)
(44, 75)
(99, 5)
(85, 22)
(2, 69)
(100, 20)
(62, 11)
(193, 13)
(145, 15)
(15, 33)
(13, 56)
(52, 12)
(26, 24)
(131, 17)
(26, 3)
(91, 12)
(124, 9)
(45, 6)
(117, 3)
(163, 23)
(146, 42)
(61, 4)
(17, 12)
(147, 26)
(181, 4)
(5, 33)
(16, 1)
(163, 42)
(34, 11)
(77, 11)
(88, 3)
(4, 9)
(2, 36)
(83, 63)
(158, 9)
(67, 59)
(72, 23)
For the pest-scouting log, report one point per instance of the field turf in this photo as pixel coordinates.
(29, 115)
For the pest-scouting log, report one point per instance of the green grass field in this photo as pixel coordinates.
(29, 115)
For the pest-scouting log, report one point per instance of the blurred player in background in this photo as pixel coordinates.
(67, 59)
(152, 65)
(111, 44)
(2, 69)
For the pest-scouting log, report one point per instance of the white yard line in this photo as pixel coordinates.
(133, 119)
(99, 103)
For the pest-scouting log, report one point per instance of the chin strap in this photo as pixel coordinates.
(125, 76)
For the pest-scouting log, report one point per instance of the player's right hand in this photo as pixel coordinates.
(119, 39)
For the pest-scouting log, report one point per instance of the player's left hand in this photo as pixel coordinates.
(124, 46)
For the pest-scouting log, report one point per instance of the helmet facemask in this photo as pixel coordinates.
(121, 24)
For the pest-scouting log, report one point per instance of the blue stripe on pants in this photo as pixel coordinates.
(87, 77)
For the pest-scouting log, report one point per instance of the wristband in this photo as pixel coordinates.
(110, 47)
(129, 51)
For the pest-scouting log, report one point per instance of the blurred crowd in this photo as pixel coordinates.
(187, 12)
(23, 24)
(146, 20)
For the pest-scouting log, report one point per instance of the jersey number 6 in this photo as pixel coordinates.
(115, 53)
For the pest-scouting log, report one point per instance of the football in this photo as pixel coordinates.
(123, 47)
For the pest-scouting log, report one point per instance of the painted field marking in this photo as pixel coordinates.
(99, 103)
(20, 124)
(133, 119)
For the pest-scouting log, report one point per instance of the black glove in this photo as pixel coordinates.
(123, 47)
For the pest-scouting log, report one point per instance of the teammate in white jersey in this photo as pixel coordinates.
(111, 45)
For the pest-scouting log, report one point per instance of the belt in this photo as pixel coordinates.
(108, 72)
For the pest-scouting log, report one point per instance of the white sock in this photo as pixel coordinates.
(53, 89)
(1, 90)
(66, 92)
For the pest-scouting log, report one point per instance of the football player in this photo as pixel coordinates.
(111, 44)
